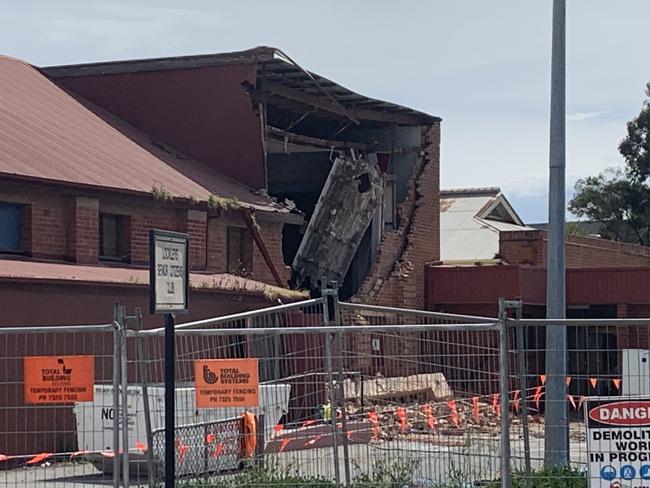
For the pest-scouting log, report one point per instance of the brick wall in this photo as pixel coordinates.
(397, 276)
(83, 230)
(63, 226)
(529, 247)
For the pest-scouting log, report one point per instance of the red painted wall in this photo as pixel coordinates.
(203, 112)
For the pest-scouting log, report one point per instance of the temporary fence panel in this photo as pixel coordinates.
(53, 415)
(323, 411)
(607, 361)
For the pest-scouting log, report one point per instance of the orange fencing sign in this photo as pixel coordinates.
(226, 383)
(59, 379)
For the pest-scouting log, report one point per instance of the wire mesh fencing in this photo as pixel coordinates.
(57, 405)
(602, 389)
(346, 393)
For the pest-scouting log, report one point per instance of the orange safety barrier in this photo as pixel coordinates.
(374, 420)
(496, 407)
(454, 413)
(249, 435)
(475, 410)
(516, 401)
(431, 421)
(400, 412)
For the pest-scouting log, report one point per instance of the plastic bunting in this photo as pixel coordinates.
(454, 413)
(400, 412)
(537, 396)
(39, 458)
(542, 378)
(567, 380)
(313, 440)
(581, 400)
(572, 401)
(617, 383)
(475, 410)
(593, 381)
(283, 444)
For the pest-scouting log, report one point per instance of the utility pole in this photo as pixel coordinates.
(556, 450)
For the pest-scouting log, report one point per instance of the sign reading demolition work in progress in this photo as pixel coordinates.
(168, 271)
(618, 442)
(226, 383)
(59, 379)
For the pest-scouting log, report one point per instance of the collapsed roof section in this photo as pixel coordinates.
(260, 118)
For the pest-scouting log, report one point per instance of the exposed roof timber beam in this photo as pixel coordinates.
(358, 113)
(282, 134)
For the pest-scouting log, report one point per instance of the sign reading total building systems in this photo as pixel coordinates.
(59, 379)
(618, 442)
(168, 271)
(227, 383)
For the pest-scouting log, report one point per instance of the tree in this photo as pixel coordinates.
(619, 199)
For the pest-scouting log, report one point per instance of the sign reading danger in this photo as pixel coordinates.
(226, 383)
(59, 379)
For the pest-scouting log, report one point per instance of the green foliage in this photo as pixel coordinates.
(223, 203)
(619, 199)
(562, 477)
(397, 474)
(159, 193)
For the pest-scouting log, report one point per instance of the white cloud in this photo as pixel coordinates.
(580, 116)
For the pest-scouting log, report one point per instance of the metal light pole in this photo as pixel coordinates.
(556, 451)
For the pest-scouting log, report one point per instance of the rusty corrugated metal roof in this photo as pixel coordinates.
(108, 275)
(48, 134)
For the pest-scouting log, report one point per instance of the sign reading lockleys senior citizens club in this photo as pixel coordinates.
(226, 383)
(618, 442)
(59, 379)
(168, 272)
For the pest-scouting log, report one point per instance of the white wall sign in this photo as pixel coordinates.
(618, 441)
(168, 272)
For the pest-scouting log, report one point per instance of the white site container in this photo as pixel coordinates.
(636, 372)
(95, 419)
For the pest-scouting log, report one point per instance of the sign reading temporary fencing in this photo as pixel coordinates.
(59, 379)
(226, 383)
(618, 442)
(168, 272)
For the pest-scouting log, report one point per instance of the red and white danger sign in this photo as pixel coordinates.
(618, 442)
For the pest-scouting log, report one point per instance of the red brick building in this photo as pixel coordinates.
(233, 149)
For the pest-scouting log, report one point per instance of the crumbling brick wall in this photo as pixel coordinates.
(397, 276)
(529, 247)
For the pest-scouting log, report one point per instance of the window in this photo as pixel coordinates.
(11, 227)
(240, 251)
(113, 237)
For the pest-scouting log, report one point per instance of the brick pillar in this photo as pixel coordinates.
(83, 231)
(195, 225)
(217, 254)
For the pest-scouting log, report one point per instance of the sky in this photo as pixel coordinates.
(481, 65)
